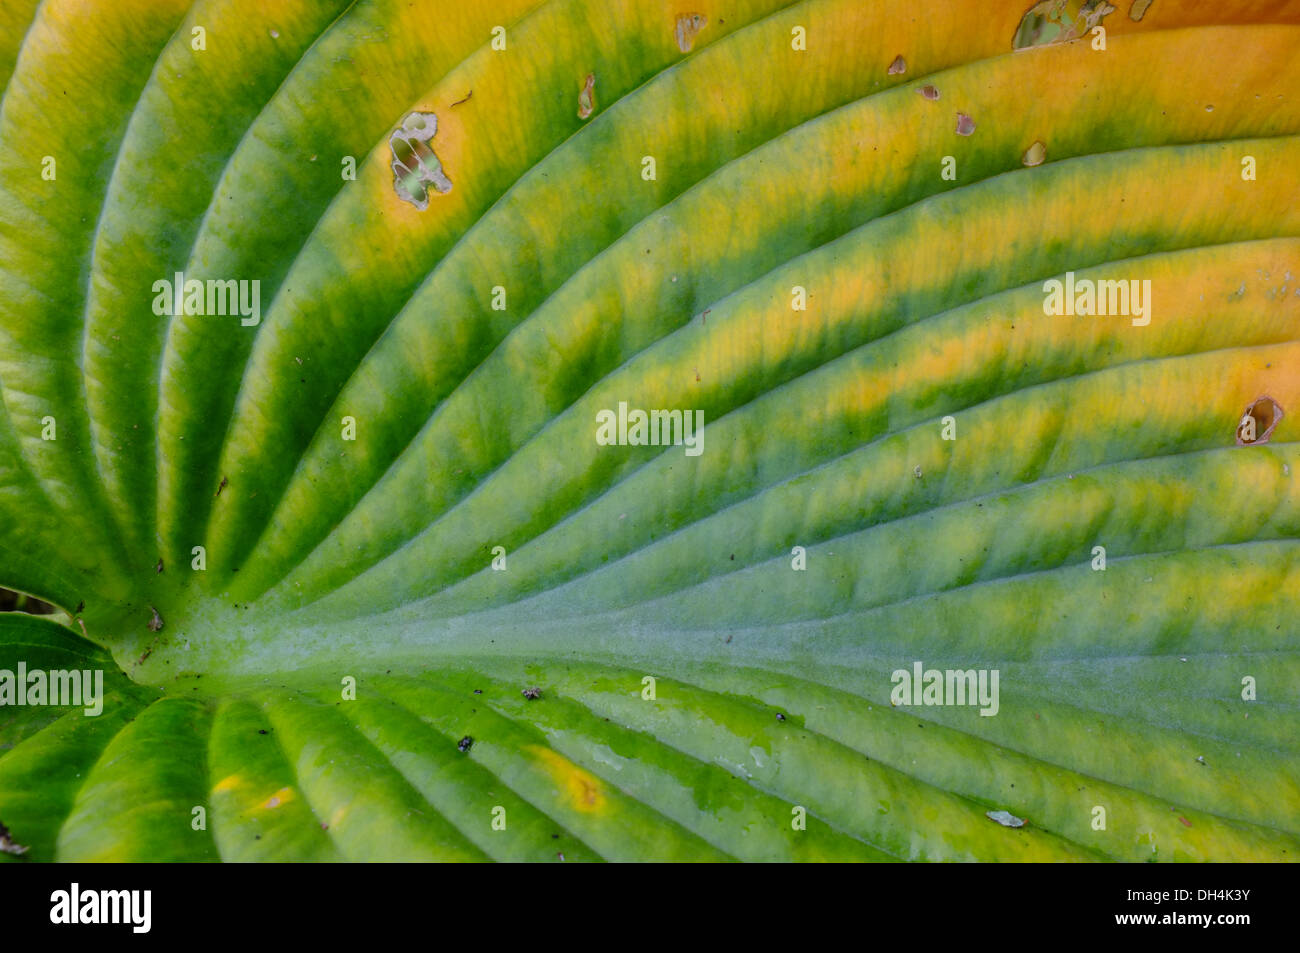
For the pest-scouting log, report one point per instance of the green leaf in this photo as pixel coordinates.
(360, 579)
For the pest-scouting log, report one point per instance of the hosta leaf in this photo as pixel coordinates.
(363, 582)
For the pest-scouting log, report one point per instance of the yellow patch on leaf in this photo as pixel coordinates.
(280, 797)
(585, 791)
(228, 783)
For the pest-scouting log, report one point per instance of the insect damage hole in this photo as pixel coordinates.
(1054, 21)
(8, 845)
(1258, 422)
(587, 97)
(687, 28)
(1005, 818)
(416, 170)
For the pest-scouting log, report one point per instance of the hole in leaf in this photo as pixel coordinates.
(416, 170)
(1258, 421)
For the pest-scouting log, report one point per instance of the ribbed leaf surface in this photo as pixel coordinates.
(325, 548)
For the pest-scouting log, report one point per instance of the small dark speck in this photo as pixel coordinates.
(733, 556)
(464, 744)
(262, 731)
(478, 691)
(780, 717)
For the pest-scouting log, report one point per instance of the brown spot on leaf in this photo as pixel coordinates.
(929, 92)
(898, 66)
(221, 486)
(155, 620)
(1138, 10)
(965, 124)
(1258, 421)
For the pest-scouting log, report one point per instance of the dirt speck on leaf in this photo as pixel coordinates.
(532, 693)
(155, 620)
(465, 744)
